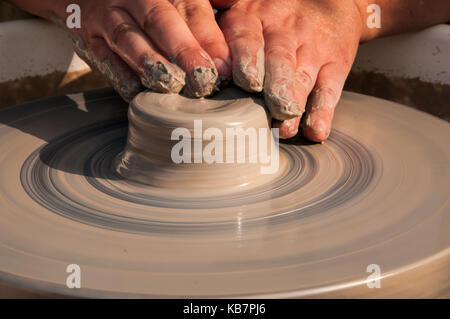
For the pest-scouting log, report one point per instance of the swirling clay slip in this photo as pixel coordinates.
(78, 185)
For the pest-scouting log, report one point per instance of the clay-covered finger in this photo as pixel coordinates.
(199, 17)
(134, 47)
(244, 35)
(322, 102)
(287, 128)
(166, 28)
(305, 77)
(117, 72)
(280, 92)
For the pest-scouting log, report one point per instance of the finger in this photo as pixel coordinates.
(305, 77)
(280, 92)
(120, 76)
(169, 32)
(322, 102)
(200, 19)
(134, 47)
(244, 35)
(287, 128)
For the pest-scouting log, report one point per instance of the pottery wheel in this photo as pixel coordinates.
(377, 192)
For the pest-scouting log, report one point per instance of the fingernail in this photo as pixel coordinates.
(280, 106)
(246, 77)
(252, 71)
(223, 68)
(253, 77)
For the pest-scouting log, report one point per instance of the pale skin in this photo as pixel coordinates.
(309, 47)
(163, 45)
(297, 52)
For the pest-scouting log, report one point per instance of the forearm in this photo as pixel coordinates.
(399, 16)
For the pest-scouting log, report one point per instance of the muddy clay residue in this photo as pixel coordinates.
(247, 75)
(202, 81)
(163, 77)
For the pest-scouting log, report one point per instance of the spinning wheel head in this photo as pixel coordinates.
(379, 186)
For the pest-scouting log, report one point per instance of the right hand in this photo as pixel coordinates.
(298, 53)
(164, 45)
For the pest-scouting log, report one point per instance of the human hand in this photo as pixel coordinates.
(163, 45)
(293, 49)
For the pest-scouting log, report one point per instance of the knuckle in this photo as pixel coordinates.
(207, 41)
(304, 78)
(191, 9)
(326, 90)
(325, 96)
(232, 18)
(157, 13)
(184, 51)
(120, 31)
(245, 35)
(280, 52)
